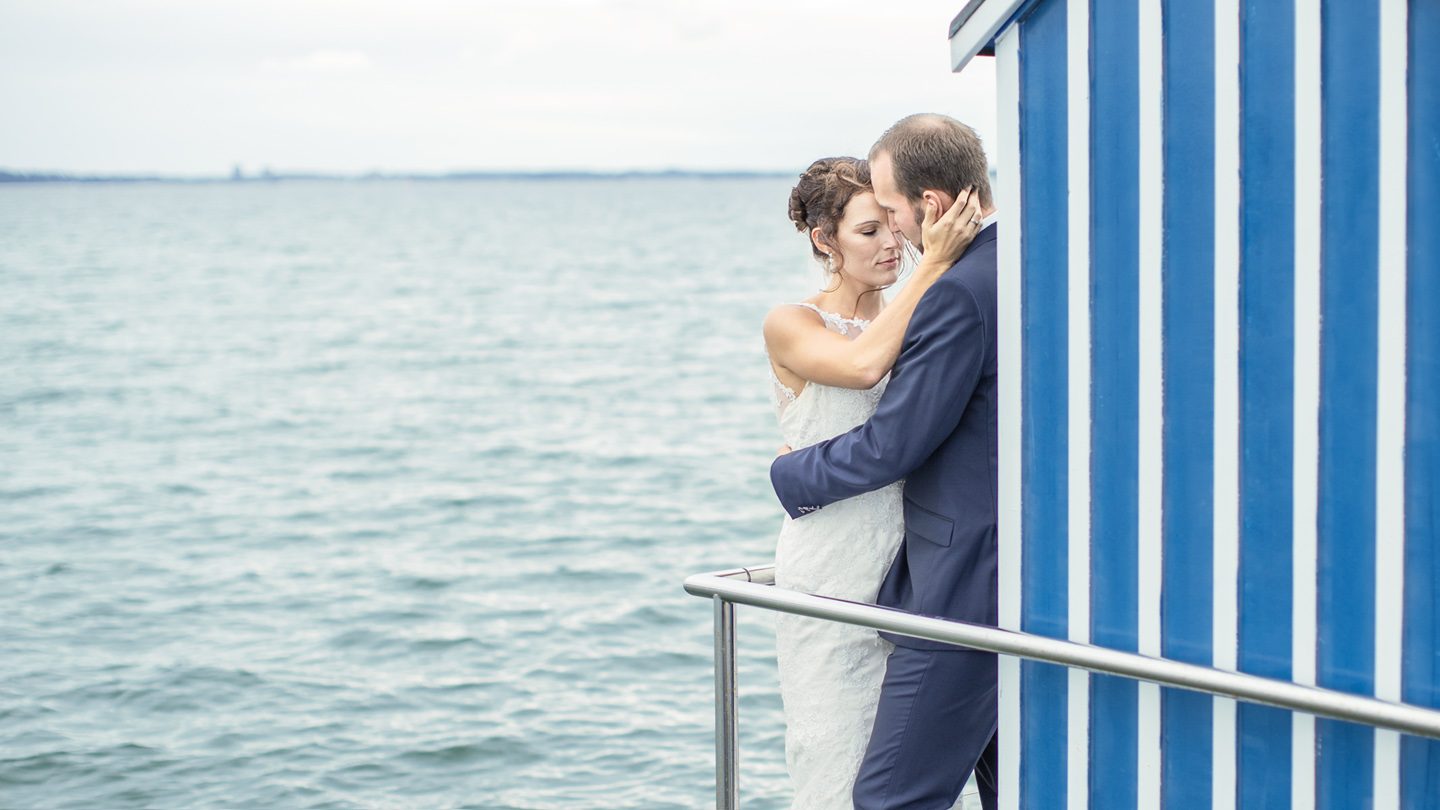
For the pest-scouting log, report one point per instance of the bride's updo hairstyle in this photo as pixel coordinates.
(819, 199)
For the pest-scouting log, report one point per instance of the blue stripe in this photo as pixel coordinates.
(1348, 345)
(1115, 411)
(1186, 737)
(1266, 387)
(1420, 759)
(1043, 689)
(1115, 307)
(1264, 757)
(1044, 480)
(1188, 496)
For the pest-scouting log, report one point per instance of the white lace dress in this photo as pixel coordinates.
(830, 674)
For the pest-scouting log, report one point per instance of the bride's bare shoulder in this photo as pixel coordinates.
(786, 319)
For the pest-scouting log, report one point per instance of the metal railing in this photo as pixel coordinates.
(755, 586)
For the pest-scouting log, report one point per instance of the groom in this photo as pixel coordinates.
(936, 428)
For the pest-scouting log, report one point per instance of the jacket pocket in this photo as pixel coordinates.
(926, 525)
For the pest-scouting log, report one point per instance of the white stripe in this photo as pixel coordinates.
(1307, 335)
(1010, 347)
(1147, 778)
(1151, 326)
(1302, 761)
(1390, 388)
(1227, 388)
(1151, 59)
(1223, 783)
(1387, 769)
(1077, 734)
(1390, 393)
(1306, 403)
(1009, 742)
(1011, 330)
(1077, 50)
(1079, 317)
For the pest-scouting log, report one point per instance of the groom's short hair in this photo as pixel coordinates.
(932, 151)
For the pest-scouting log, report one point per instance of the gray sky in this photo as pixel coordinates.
(193, 88)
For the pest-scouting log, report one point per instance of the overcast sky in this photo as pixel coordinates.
(196, 87)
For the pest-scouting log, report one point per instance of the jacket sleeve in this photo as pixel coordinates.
(939, 366)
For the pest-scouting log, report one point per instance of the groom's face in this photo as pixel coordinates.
(904, 217)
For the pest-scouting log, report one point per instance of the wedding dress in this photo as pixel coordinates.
(830, 673)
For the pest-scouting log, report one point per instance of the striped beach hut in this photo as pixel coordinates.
(1220, 349)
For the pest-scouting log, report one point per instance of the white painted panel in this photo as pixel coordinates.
(1306, 448)
(1011, 351)
(1390, 392)
(1223, 771)
(1227, 390)
(1302, 761)
(1077, 748)
(1078, 498)
(1151, 58)
(1078, 157)
(1011, 330)
(1307, 334)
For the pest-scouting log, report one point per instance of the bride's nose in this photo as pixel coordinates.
(890, 242)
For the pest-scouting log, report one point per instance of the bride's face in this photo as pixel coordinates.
(869, 252)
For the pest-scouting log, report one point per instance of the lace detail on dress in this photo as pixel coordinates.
(849, 327)
(781, 395)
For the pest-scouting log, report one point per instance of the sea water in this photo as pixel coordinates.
(380, 494)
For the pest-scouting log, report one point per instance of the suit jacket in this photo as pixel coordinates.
(935, 427)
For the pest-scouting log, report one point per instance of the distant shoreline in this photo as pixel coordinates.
(269, 177)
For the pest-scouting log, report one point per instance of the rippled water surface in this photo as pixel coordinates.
(380, 495)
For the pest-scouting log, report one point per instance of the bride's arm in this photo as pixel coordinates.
(819, 355)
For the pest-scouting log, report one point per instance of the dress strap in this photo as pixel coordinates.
(837, 323)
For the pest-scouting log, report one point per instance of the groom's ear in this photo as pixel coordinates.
(942, 200)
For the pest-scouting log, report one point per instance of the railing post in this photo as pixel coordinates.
(727, 796)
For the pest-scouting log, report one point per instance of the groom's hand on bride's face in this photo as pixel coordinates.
(948, 232)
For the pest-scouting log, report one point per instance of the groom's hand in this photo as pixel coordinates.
(946, 235)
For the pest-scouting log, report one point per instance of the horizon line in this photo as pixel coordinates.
(266, 175)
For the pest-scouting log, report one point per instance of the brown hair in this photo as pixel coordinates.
(819, 199)
(930, 151)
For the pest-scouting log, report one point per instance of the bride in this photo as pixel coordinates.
(830, 358)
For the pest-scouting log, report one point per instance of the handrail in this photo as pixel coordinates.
(744, 586)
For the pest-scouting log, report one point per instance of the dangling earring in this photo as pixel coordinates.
(827, 264)
(830, 271)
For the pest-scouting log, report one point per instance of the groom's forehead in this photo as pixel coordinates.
(882, 178)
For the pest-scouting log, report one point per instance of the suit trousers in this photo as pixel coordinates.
(935, 724)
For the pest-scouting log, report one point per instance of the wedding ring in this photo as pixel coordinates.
(974, 220)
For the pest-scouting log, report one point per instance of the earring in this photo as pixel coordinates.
(828, 265)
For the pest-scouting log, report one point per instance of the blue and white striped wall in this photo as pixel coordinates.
(1220, 359)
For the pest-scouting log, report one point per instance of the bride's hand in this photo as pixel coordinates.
(946, 236)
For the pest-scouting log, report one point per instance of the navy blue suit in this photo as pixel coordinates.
(936, 428)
